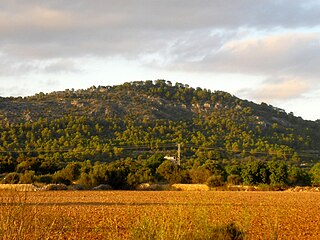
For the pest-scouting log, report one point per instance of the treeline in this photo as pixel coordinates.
(129, 173)
(47, 146)
(45, 133)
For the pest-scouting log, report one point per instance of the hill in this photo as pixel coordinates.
(138, 119)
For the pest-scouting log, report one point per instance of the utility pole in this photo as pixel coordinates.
(179, 153)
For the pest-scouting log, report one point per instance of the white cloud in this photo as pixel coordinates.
(276, 90)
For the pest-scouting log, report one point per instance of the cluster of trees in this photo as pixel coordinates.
(44, 134)
(128, 173)
(46, 146)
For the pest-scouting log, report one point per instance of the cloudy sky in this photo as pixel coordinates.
(264, 51)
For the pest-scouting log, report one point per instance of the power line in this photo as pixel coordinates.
(105, 147)
(157, 147)
(252, 151)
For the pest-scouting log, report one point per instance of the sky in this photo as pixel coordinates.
(263, 51)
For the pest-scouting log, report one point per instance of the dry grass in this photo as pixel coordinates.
(190, 187)
(18, 187)
(158, 215)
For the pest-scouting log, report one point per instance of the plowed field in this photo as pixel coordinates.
(178, 214)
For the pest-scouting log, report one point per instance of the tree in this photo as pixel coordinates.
(142, 175)
(72, 170)
(170, 172)
(215, 181)
(199, 174)
(278, 173)
(214, 168)
(27, 177)
(298, 176)
(234, 179)
(254, 172)
(154, 162)
(99, 174)
(68, 174)
(117, 173)
(315, 174)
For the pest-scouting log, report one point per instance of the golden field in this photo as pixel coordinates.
(157, 214)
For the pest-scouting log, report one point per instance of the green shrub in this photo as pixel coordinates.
(27, 177)
(45, 178)
(199, 174)
(234, 179)
(11, 178)
(60, 177)
(315, 174)
(215, 181)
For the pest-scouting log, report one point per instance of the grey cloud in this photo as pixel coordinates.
(292, 53)
(286, 55)
(188, 14)
(11, 67)
(288, 61)
(203, 35)
(72, 28)
(61, 66)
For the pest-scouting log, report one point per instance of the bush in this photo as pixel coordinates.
(60, 177)
(215, 181)
(86, 180)
(27, 177)
(142, 175)
(315, 175)
(170, 172)
(199, 174)
(234, 179)
(45, 179)
(298, 177)
(11, 178)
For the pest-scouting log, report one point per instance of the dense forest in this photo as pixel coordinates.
(128, 134)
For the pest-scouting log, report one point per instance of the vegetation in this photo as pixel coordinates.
(120, 136)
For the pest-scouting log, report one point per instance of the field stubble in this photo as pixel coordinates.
(159, 215)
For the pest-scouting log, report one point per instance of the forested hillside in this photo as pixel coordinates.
(136, 124)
